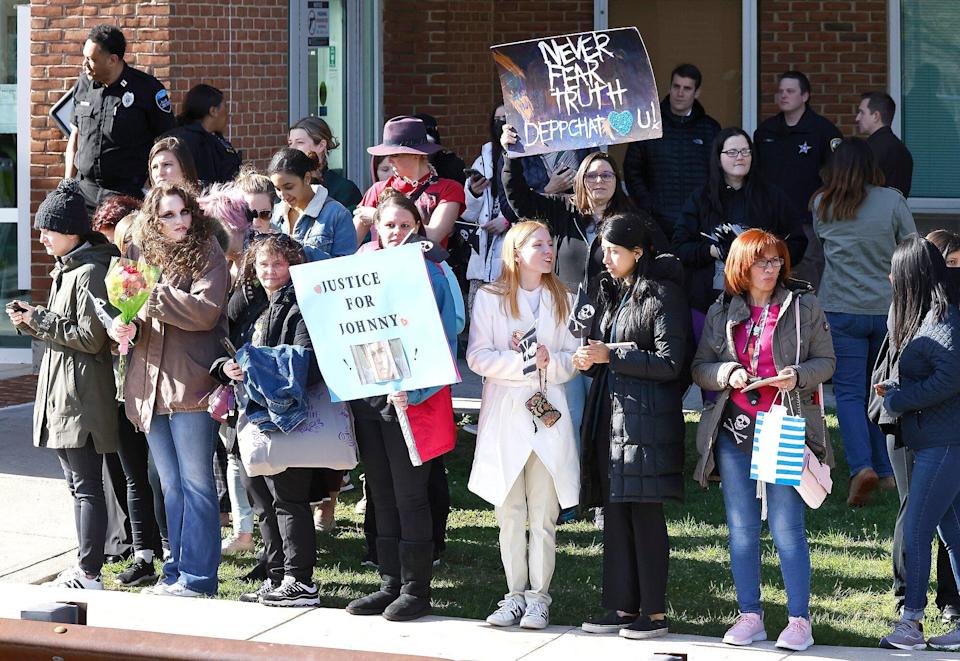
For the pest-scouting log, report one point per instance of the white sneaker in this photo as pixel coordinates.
(157, 589)
(537, 616)
(180, 590)
(75, 578)
(509, 613)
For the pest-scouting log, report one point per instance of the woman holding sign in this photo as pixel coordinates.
(399, 488)
(526, 463)
(753, 332)
(633, 424)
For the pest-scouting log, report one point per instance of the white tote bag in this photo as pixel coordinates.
(324, 440)
(779, 443)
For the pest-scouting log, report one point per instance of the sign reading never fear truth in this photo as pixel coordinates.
(374, 323)
(578, 90)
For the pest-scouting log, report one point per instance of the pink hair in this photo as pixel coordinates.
(226, 204)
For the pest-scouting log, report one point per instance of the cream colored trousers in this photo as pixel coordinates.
(532, 500)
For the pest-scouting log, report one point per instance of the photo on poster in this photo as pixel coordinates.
(381, 361)
(578, 90)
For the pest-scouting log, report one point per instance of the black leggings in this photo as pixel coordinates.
(83, 470)
(142, 509)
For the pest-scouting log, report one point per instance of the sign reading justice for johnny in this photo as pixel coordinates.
(578, 90)
(374, 323)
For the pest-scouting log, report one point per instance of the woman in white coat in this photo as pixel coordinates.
(525, 468)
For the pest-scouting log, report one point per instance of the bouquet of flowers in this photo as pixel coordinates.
(129, 284)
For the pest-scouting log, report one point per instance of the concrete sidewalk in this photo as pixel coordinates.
(443, 637)
(37, 531)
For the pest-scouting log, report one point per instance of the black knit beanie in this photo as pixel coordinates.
(64, 210)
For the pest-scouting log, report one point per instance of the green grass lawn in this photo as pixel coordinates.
(851, 600)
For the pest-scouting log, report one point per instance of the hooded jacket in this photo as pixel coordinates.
(716, 360)
(645, 387)
(661, 174)
(76, 394)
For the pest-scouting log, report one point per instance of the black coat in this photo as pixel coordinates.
(754, 205)
(646, 429)
(894, 159)
(661, 174)
(791, 157)
(213, 155)
(566, 221)
(285, 324)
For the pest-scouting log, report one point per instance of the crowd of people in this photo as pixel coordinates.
(718, 259)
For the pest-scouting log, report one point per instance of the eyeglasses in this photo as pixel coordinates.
(600, 176)
(263, 214)
(733, 153)
(774, 264)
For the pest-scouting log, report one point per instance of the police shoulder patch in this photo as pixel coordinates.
(163, 101)
(834, 143)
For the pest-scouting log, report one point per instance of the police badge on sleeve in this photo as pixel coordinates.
(163, 101)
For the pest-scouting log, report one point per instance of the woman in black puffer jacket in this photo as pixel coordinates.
(633, 426)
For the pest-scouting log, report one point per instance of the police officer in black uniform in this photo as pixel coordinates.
(791, 148)
(118, 112)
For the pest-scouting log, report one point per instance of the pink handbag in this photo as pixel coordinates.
(815, 482)
(221, 403)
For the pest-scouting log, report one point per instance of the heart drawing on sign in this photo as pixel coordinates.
(621, 122)
(403, 321)
(318, 289)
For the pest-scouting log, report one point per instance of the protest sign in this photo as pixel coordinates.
(374, 323)
(578, 90)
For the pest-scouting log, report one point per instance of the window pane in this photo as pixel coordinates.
(931, 94)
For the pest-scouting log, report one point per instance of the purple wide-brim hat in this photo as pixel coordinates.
(404, 135)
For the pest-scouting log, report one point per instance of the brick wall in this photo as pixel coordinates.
(239, 47)
(436, 57)
(840, 44)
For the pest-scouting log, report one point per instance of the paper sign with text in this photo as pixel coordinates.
(374, 323)
(578, 90)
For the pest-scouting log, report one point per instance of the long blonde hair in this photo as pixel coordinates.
(509, 281)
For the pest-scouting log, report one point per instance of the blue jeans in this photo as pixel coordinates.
(933, 504)
(785, 510)
(182, 447)
(576, 390)
(856, 342)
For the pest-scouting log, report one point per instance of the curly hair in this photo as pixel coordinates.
(184, 258)
(273, 244)
(113, 210)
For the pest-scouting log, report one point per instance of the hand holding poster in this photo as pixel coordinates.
(374, 323)
(578, 90)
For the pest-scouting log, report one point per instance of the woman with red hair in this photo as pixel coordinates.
(753, 332)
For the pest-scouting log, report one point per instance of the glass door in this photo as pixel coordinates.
(14, 167)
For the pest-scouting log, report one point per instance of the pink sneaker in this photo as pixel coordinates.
(747, 629)
(798, 635)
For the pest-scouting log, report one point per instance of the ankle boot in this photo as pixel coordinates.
(388, 557)
(416, 570)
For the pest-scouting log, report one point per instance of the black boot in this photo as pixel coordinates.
(416, 570)
(388, 556)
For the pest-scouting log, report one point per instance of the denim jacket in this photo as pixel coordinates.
(275, 379)
(325, 228)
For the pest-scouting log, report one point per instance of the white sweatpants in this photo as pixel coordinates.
(532, 500)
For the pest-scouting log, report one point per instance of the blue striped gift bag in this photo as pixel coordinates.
(779, 440)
